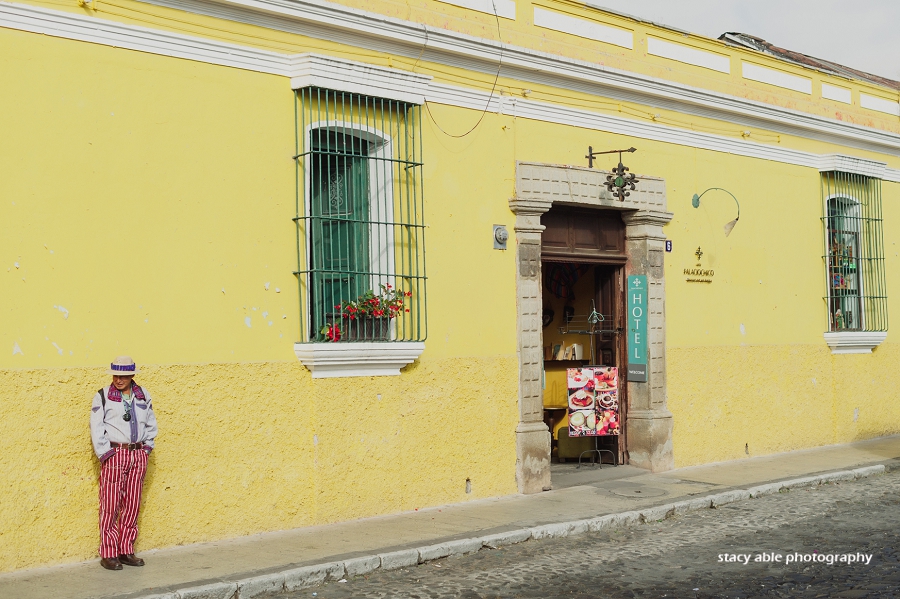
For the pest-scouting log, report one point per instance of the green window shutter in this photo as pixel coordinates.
(339, 239)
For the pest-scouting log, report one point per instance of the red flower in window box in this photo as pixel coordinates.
(367, 318)
(386, 304)
(331, 332)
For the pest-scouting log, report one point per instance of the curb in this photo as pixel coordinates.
(294, 579)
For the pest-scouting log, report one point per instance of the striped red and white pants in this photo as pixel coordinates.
(121, 483)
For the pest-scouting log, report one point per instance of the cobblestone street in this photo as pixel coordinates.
(679, 557)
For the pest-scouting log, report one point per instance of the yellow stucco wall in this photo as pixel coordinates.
(147, 201)
(748, 370)
(731, 402)
(250, 447)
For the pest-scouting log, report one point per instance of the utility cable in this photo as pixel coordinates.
(566, 99)
(493, 87)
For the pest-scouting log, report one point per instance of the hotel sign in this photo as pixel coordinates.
(637, 329)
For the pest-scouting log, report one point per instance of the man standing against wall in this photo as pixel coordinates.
(123, 429)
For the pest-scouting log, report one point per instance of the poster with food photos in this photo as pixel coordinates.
(593, 401)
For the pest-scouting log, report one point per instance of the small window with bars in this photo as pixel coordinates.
(360, 228)
(854, 253)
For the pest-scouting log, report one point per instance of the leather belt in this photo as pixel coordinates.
(127, 445)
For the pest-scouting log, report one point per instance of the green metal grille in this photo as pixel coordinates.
(360, 228)
(854, 253)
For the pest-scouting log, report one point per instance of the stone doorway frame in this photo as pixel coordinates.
(649, 422)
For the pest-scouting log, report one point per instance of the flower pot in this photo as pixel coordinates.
(366, 328)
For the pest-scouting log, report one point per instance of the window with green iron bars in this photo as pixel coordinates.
(854, 253)
(360, 228)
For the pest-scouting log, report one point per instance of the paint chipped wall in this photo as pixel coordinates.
(146, 208)
(247, 448)
(133, 218)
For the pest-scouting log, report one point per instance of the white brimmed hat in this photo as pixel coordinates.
(123, 366)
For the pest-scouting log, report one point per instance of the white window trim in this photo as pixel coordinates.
(854, 342)
(381, 259)
(338, 360)
(853, 165)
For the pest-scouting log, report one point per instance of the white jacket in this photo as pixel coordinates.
(109, 426)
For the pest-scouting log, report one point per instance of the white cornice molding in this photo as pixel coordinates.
(111, 33)
(356, 77)
(854, 342)
(325, 20)
(851, 164)
(345, 25)
(892, 174)
(576, 117)
(25, 17)
(338, 360)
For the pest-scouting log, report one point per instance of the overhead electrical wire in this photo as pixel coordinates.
(228, 35)
(493, 87)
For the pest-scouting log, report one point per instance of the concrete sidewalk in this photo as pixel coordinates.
(586, 498)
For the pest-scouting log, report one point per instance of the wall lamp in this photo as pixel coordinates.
(695, 202)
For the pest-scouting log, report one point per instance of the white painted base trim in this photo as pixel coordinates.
(880, 104)
(335, 360)
(854, 342)
(592, 30)
(688, 55)
(838, 94)
(777, 78)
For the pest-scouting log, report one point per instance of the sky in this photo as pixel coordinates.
(862, 34)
